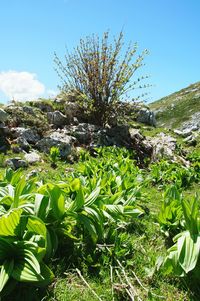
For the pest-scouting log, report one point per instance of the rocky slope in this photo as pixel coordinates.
(179, 110)
(30, 129)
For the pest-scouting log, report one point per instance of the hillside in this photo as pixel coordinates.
(179, 109)
(91, 212)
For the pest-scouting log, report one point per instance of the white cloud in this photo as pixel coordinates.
(21, 86)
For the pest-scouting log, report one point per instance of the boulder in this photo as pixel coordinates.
(3, 116)
(190, 140)
(30, 135)
(193, 124)
(163, 147)
(85, 133)
(22, 143)
(4, 144)
(57, 119)
(32, 157)
(59, 139)
(16, 163)
(146, 116)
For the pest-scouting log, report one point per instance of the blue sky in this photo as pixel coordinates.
(31, 30)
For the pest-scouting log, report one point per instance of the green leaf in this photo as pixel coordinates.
(27, 268)
(92, 197)
(6, 271)
(18, 191)
(79, 201)
(42, 206)
(51, 244)
(6, 248)
(88, 224)
(36, 225)
(75, 185)
(9, 222)
(132, 211)
(188, 251)
(46, 274)
(57, 202)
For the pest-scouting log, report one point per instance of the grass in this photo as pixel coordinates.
(178, 107)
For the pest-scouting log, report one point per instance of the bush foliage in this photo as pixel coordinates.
(100, 72)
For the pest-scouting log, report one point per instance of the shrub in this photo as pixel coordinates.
(100, 73)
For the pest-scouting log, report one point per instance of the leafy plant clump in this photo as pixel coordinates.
(54, 155)
(100, 74)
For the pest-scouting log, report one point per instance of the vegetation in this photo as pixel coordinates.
(100, 74)
(178, 107)
(54, 155)
(106, 229)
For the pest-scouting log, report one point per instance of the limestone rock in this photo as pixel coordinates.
(59, 139)
(163, 146)
(16, 163)
(146, 116)
(32, 157)
(30, 135)
(57, 118)
(23, 144)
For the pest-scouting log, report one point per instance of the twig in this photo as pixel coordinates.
(128, 292)
(128, 281)
(87, 284)
(111, 279)
(145, 288)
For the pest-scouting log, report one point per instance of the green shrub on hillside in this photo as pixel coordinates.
(100, 74)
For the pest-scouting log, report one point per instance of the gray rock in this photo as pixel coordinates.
(163, 147)
(4, 130)
(178, 132)
(85, 133)
(146, 116)
(57, 118)
(16, 163)
(30, 135)
(193, 124)
(135, 134)
(190, 140)
(29, 110)
(3, 115)
(73, 109)
(32, 157)
(23, 144)
(59, 139)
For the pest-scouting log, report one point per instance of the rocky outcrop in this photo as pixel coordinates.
(59, 139)
(57, 119)
(146, 116)
(22, 143)
(30, 135)
(193, 124)
(164, 147)
(4, 131)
